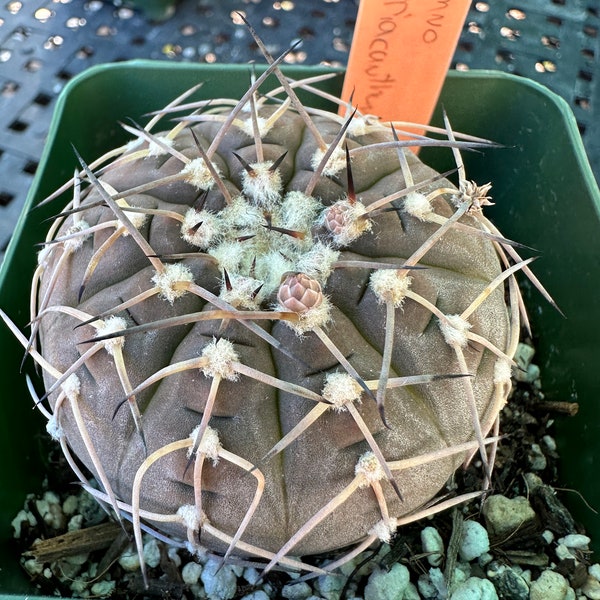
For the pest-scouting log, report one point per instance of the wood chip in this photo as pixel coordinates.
(81, 541)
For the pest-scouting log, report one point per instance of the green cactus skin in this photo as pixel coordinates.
(265, 352)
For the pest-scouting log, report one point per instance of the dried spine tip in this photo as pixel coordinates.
(370, 468)
(390, 285)
(198, 174)
(477, 195)
(346, 221)
(220, 355)
(209, 444)
(299, 293)
(173, 281)
(107, 327)
(454, 329)
(341, 388)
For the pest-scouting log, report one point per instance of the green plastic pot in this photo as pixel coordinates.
(545, 194)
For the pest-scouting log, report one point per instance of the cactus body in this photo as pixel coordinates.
(252, 328)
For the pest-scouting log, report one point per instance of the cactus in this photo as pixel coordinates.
(271, 331)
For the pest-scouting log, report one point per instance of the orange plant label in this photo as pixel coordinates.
(400, 54)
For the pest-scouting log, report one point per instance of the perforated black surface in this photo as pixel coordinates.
(45, 43)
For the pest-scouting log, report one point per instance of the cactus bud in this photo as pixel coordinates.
(299, 293)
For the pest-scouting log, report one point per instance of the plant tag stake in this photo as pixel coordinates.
(400, 54)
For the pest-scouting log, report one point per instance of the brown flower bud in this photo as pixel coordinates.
(298, 292)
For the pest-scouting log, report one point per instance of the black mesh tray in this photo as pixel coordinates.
(45, 43)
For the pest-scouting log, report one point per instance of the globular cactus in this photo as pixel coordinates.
(271, 331)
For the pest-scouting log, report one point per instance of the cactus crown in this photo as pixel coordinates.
(303, 320)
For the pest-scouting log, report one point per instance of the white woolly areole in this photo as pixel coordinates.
(418, 206)
(220, 355)
(271, 267)
(318, 261)
(108, 326)
(335, 163)
(454, 329)
(191, 517)
(317, 316)
(195, 548)
(299, 211)
(157, 147)
(71, 386)
(247, 126)
(133, 144)
(390, 285)
(54, 428)
(262, 185)
(347, 221)
(78, 229)
(204, 235)
(170, 281)
(135, 218)
(502, 372)
(209, 444)
(241, 215)
(243, 292)
(44, 255)
(341, 388)
(384, 529)
(198, 174)
(359, 125)
(370, 468)
(229, 255)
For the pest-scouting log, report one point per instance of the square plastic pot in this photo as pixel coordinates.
(545, 194)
